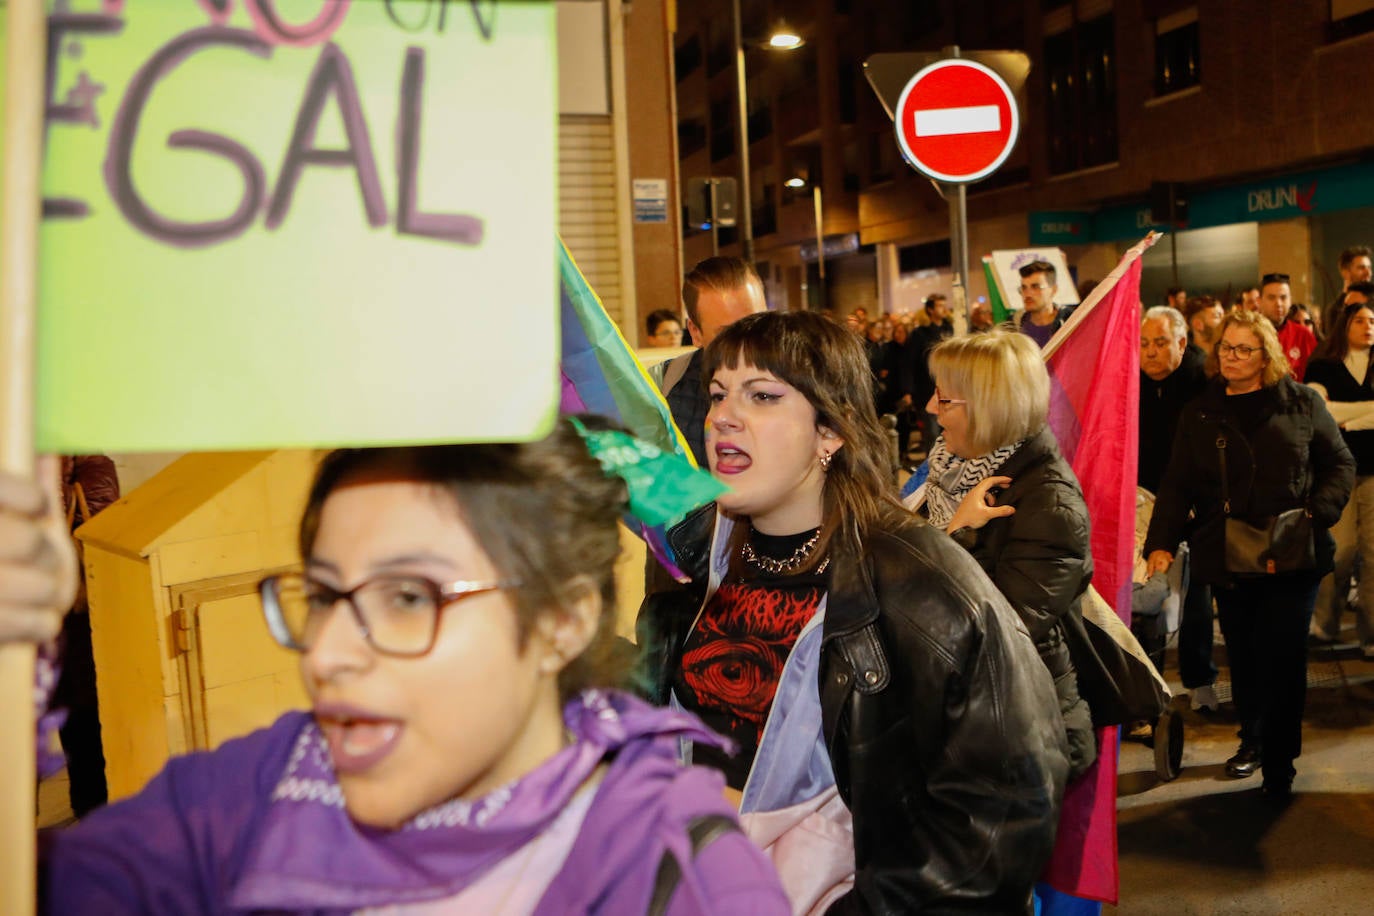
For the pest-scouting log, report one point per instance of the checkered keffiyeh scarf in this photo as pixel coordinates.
(951, 478)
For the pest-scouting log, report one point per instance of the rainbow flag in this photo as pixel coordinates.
(600, 372)
(601, 375)
(1094, 366)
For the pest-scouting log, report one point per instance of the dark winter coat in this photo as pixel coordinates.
(1040, 558)
(1295, 457)
(1161, 404)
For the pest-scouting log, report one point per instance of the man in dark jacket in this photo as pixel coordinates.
(1041, 318)
(715, 293)
(1170, 377)
(914, 377)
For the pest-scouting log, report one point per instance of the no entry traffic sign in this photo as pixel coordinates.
(956, 121)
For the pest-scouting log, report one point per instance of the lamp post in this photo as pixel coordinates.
(747, 225)
(782, 40)
(797, 183)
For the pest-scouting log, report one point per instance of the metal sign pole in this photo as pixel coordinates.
(958, 233)
(742, 100)
(933, 99)
(957, 197)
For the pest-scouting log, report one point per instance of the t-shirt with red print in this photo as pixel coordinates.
(734, 656)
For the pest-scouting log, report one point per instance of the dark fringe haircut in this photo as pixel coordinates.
(826, 363)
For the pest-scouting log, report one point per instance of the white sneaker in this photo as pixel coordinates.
(1205, 697)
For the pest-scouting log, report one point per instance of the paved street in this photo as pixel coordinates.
(1207, 844)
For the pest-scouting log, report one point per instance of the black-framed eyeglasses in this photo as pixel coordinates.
(397, 615)
(1242, 351)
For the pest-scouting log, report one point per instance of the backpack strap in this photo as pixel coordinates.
(702, 831)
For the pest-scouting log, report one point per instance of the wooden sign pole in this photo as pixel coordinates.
(21, 199)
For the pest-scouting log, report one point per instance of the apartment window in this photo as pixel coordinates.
(687, 57)
(760, 119)
(1080, 85)
(720, 51)
(753, 20)
(853, 166)
(722, 129)
(691, 136)
(884, 157)
(766, 211)
(926, 256)
(1006, 24)
(1178, 57)
(1350, 18)
(845, 79)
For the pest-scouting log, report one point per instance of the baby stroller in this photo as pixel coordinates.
(1155, 605)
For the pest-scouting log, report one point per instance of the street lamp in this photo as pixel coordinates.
(797, 182)
(782, 40)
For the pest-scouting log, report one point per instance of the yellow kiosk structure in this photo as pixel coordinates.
(183, 659)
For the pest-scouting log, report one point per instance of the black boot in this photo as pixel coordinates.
(1245, 762)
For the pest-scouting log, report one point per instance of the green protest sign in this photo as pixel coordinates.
(274, 223)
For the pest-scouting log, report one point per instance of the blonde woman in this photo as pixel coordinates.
(1281, 450)
(999, 486)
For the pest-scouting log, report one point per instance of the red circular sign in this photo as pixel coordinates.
(956, 121)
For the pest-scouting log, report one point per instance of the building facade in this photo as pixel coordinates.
(1245, 116)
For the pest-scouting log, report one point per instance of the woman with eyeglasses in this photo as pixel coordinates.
(1340, 373)
(997, 484)
(899, 748)
(1254, 445)
(464, 751)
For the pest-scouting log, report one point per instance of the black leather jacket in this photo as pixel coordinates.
(1040, 558)
(940, 719)
(1295, 457)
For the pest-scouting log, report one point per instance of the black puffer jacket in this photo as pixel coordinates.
(939, 718)
(1040, 558)
(1295, 457)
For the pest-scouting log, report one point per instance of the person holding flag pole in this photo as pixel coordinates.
(19, 196)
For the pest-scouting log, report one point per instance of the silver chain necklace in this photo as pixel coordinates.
(794, 562)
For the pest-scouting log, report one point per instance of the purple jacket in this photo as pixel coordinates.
(193, 839)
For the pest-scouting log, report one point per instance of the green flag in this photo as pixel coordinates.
(1000, 313)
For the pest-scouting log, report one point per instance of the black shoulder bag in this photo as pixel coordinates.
(1283, 544)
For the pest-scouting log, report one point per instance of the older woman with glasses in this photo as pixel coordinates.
(997, 483)
(455, 619)
(1254, 445)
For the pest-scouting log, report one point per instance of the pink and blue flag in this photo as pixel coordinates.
(1094, 366)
